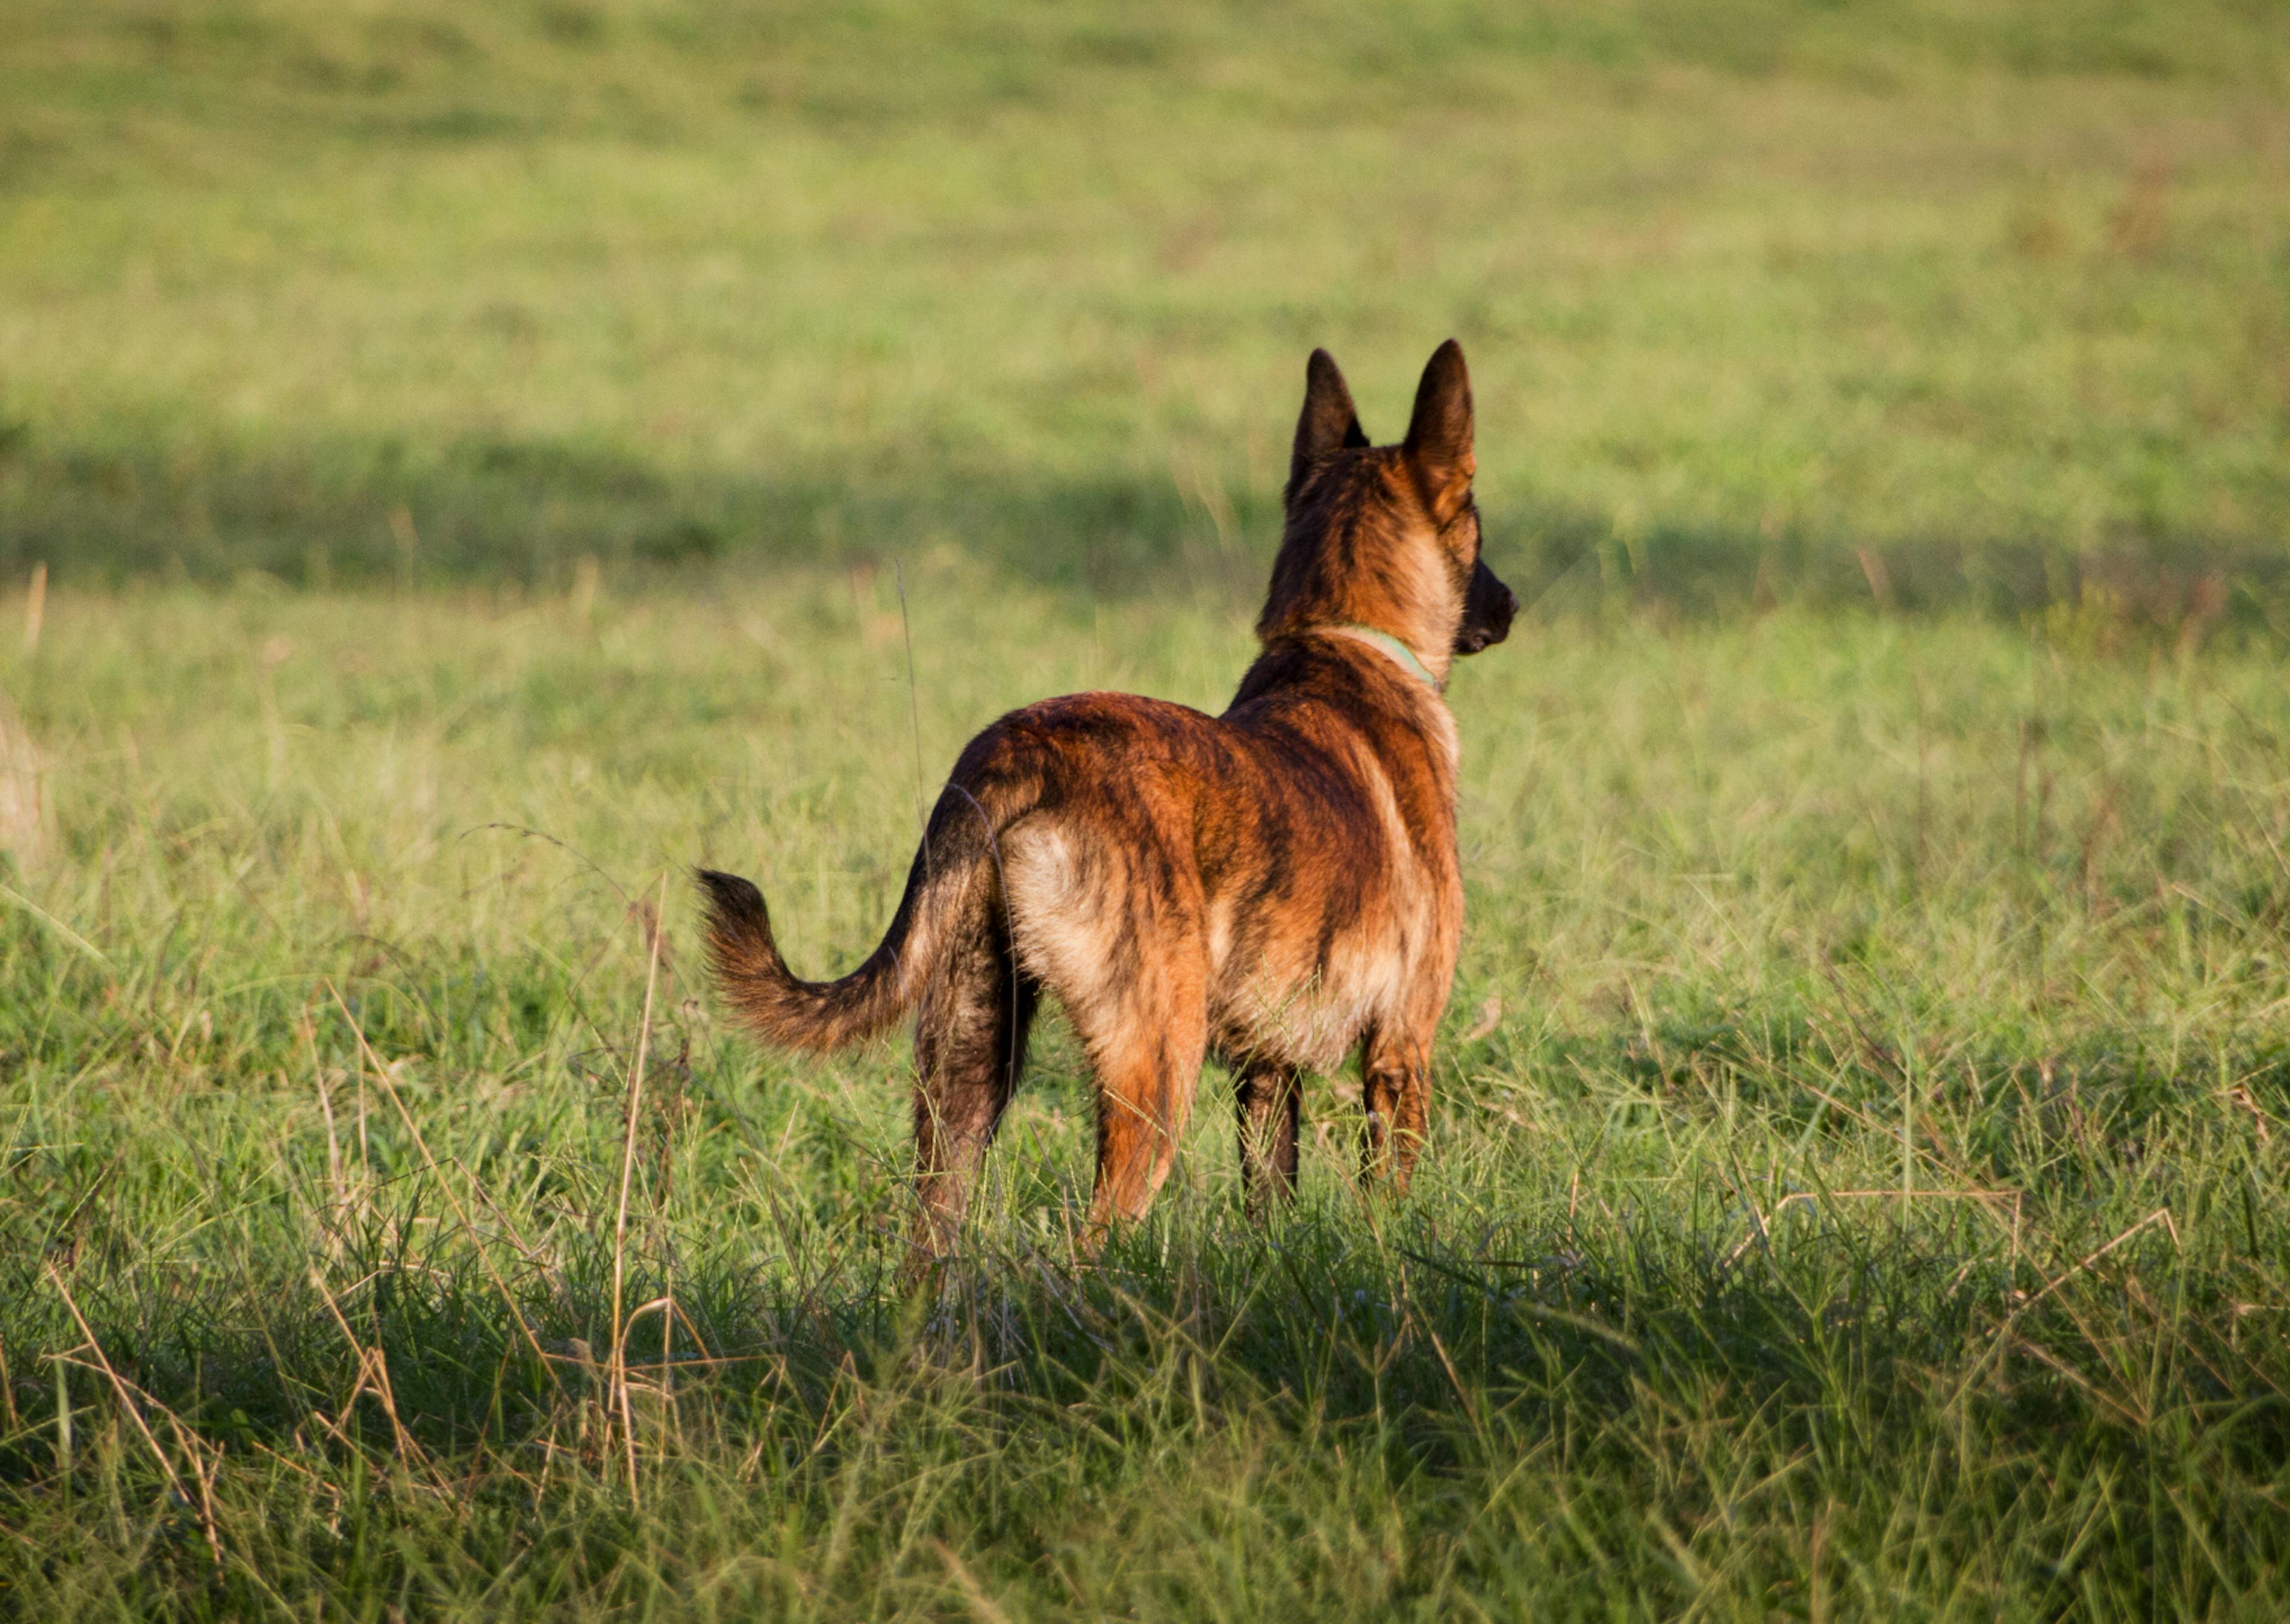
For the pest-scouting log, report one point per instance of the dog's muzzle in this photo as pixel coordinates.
(1488, 608)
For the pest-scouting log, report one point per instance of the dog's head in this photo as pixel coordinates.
(1387, 537)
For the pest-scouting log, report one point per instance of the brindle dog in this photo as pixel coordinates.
(1278, 885)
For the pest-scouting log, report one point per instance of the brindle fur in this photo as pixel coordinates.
(1276, 885)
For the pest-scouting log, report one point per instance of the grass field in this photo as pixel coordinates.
(340, 293)
(488, 460)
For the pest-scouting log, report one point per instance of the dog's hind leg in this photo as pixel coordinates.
(1270, 1099)
(970, 1047)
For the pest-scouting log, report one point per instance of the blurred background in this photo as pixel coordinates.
(1926, 301)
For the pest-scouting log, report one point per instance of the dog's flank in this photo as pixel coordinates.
(1278, 884)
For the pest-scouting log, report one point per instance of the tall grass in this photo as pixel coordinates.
(1857, 1179)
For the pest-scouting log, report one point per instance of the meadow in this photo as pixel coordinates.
(483, 461)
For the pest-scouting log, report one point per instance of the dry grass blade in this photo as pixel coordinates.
(373, 1376)
(618, 1369)
(134, 1413)
(2160, 1215)
(980, 1604)
(23, 807)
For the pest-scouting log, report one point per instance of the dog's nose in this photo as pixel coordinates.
(1506, 607)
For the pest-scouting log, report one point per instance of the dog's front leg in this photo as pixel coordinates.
(1270, 1102)
(1396, 1088)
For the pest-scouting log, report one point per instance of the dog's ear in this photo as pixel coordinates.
(1328, 422)
(1438, 443)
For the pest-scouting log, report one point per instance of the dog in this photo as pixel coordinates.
(1278, 885)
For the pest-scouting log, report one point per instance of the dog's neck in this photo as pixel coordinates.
(1296, 665)
(1396, 651)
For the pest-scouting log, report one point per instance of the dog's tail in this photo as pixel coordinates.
(955, 873)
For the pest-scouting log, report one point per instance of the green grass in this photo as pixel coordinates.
(1778, 914)
(340, 293)
(488, 460)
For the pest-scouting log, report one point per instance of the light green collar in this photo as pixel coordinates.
(1397, 650)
